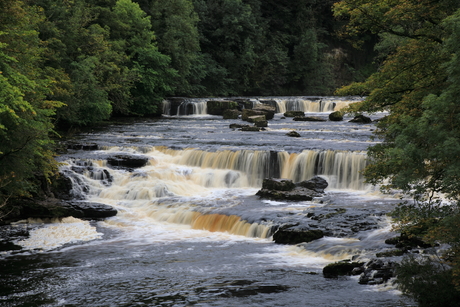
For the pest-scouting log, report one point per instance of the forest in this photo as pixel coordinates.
(74, 63)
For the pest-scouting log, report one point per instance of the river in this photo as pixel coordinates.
(190, 230)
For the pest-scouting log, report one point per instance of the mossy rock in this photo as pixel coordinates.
(336, 116)
(231, 114)
(294, 113)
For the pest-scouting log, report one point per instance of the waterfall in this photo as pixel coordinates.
(342, 168)
(198, 106)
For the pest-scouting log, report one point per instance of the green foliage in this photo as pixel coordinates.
(427, 281)
(25, 123)
(418, 83)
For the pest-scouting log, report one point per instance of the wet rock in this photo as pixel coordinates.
(294, 113)
(237, 126)
(316, 184)
(127, 161)
(361, 119)
(284, 189)
(336, 116)
(343, 268)
(377, 272)
(405, 242)
(256, 118)
(250, 128)
(267, 109)
(261, 123)
(82, 146)
(294, 134)
(391, 253)
(257, 112)
(175, 103)
(278, 184)
(309, 119)
(94, 210)
(217, 107)
(231, 114)
(296, 235)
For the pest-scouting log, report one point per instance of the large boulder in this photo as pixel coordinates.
(127, 161)
(284, 189)
(336, 116)
(94, 210)
(278, 184)
(256, 118)
(267, 109)
(296, 236)
(217, 107)
(231, 114)
(316, 184)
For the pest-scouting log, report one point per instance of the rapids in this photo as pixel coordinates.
(190, 230)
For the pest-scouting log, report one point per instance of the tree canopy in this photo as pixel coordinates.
(417, 83)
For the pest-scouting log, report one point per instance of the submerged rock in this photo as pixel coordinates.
(309, 119)
(293, 133)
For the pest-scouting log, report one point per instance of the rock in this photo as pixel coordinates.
(293, 134)
(84, 146)
(294, 113)
(342, 268)
(278, 184)
(94, 210)
(217, 107)
(267, 109)
(284, 189)
(377, 271)
(175, 103)
(405, 242)
(127, 161)
(316, 184)
(361, 119)
(261, 123)
(309, 119)
(238, 126)
(56, 208)
(391, 253)
(336, 116)
(231, 114)
(298, 194)
(250, 128)
(256, 118)
(296, 236)
(254, 112)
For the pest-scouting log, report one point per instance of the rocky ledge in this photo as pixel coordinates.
(284, 189)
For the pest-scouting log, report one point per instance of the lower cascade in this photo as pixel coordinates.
(192, 226)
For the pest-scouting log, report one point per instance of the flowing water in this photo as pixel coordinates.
(190, 230)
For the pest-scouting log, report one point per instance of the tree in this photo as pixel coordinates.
(25, 114)
(418, 84)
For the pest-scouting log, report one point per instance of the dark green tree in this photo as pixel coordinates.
(25, 114)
